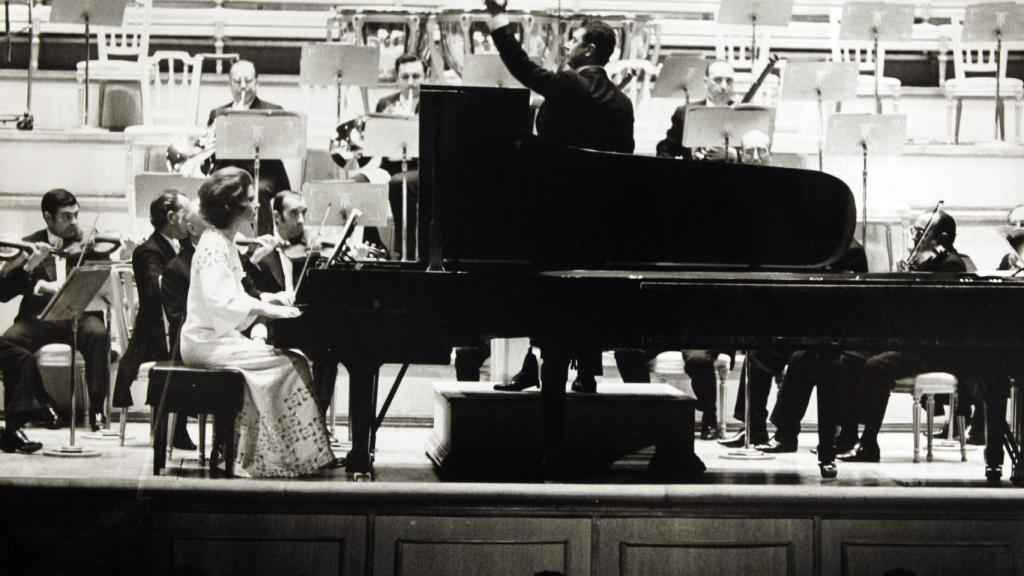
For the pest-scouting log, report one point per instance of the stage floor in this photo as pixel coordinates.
(401, 458)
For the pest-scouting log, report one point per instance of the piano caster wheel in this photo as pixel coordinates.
(993, 473)
(828, 469)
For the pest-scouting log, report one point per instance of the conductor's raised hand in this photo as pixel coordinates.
(495, 7)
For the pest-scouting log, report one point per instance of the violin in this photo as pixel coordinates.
(923, 260)
(101, 245)
(15, 249)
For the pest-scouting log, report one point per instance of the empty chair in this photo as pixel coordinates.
(871, 65)
(926, 386)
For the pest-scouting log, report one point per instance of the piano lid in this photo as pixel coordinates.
(500, 195)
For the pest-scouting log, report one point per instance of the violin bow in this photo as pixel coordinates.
(931, 221)
(85, 245)
(309, 256)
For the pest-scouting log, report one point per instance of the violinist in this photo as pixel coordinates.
(719, 77)
(149, 340)
(279, 272)
(1014, 234)
(244, 84)
(38, 284)
(934, 234)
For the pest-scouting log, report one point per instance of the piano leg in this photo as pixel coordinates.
(362, 374)
(554, 373)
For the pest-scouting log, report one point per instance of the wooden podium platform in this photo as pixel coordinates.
(480, 433)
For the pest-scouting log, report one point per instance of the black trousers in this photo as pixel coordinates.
(762, 366)
(93, 342)
(325, 373)
(22, 383)
(699, 365)
(881, 372)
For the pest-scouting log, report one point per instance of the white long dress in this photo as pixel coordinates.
(279, 431)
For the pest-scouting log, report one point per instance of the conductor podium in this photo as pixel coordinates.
(479, 432)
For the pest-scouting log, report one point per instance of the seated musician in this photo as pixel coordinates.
(582, 107)
(38, 285)
(933, 252)
(279, 272)
(149, 341)
(280, 430)
(244, 84)
(718, 77)
(23, 386)
(1014, 233)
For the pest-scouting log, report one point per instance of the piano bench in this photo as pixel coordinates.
(217, 391)
(926, 386)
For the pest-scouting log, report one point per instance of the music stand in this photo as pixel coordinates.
(754, 12)
(260, 135)
(987, 22)
(748, 452)
(23, 121)
(90, 13)
(820, 81)
(877, 21)
(340, 65)
(682, 74)
(852, 134)
(709, 127)
(396, 137)
(489, 70)
(341, 196)
(79, 290)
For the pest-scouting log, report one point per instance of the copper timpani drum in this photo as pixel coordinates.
(394, 32)
(466, 32)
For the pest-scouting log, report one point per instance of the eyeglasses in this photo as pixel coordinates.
(916, 232)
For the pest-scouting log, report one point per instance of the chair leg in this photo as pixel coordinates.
(173, 432)
(930, 403)
(917, 429)
(962, 421)
(951, 419)
(956, 126)
(122, 425)
(202, 439)
(160, 445)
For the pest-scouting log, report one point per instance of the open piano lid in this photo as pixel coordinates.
(504, 196)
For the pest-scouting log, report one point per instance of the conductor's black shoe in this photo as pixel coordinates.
(976, 439)
(862, 454)
(710, 431)
(584, 384)
(182, 441)
(776, 446)
(528, 376)
(16, 441)
(97, 420)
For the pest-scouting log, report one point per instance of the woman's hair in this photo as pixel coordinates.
(223, 197)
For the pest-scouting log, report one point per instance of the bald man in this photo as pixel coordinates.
(244, 83)
(719, 78)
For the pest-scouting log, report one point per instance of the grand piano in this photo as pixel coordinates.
(578, 249)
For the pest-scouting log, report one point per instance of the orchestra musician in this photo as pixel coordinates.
(935, 233)
(38, 284)
(280, 430)
(23, 386)
(149, 341)
(244, 84)
(582, 107)
(719, 77)
(1014, 234)
(279, 272)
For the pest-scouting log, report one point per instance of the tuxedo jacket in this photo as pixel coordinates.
(174, 291)
(583, 109)
(269, 273)
(148, 262)
(23, 283)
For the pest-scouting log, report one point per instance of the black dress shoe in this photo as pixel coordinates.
(776, 446)
(181, 440)
(828, 469)
(862, 454)
(528, 376)
(97, 420)
(584, 385)
(710, 431)
(50, 419)
(993, 473)
(975, 439)
(16, 441)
